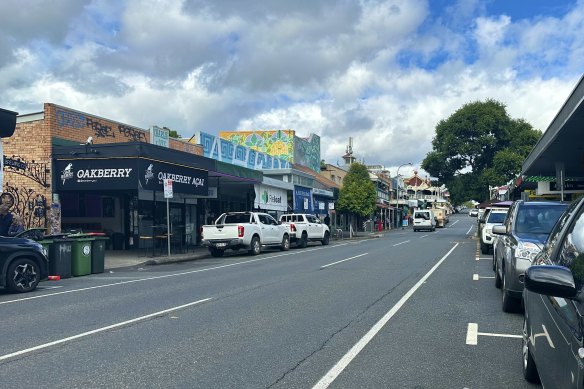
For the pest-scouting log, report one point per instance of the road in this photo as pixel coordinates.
(407, 310)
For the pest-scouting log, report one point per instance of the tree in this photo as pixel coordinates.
(358, 193)
(477, 146)
(172, 133)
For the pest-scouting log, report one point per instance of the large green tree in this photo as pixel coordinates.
(479, 146)
(358, 193)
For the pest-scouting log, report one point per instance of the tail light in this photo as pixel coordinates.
(240, 231)
(292, 227)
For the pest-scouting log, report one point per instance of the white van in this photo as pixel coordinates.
(424, 220)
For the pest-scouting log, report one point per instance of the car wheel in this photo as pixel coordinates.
(23, 275)
(327, 237)
(303, 242)
(529, 368)
(498, 281)
(285, 243)
(484, 248)
(256, 247)
(509, 303)
(216, 252)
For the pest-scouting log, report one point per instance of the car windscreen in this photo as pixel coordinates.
(496, 217)
(538, 219)
(422, 215)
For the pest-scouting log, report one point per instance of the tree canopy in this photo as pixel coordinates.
(479, 146)
(358, 193)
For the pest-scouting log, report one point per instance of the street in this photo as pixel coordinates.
(407, 310)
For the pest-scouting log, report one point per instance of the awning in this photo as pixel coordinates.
(237, 173)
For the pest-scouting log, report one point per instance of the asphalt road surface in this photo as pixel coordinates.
(407, 310)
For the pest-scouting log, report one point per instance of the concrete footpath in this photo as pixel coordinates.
(115, 259)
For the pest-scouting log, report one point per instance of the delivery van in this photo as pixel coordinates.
(424, 220)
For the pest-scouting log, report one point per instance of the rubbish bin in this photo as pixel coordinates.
(81, 254)
(60, 256)
(46, 243)
(98, 253)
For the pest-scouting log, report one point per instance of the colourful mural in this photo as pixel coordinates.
(277, 143)
(307, 152)
(236, 154)
(282, 144)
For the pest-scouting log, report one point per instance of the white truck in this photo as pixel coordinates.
(305, 228)
(245, 230)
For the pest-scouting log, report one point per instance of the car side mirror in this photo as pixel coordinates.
(499, 229)
(556, 281)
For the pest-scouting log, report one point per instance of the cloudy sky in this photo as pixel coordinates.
(383, 72)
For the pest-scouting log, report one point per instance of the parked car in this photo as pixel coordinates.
(23, 264)
(245, 230)
(553, 327)
(424, 219)
(493, 217)
(305, 228)
(522, 236)
(473, 212)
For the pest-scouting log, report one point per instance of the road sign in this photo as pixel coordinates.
(167, 188)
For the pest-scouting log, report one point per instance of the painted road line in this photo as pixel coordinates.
(96, 331)
(423, 236)
(168, 275)
(338, 368)
(343, 260)
(400, 243)
(472, 334)
(452, 225)
(469, 230)
(476, 277)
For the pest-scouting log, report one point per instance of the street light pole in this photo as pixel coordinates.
(397, 193)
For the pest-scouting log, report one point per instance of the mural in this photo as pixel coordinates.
(307, 152)
(277, 143)
(236, 154)
(27, 203)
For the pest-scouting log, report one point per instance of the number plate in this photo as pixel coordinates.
(221, 244)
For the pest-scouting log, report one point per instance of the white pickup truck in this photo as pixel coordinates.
(245, 230)
(305, 228)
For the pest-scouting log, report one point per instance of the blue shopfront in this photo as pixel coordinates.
(322, 199)
(303, 199)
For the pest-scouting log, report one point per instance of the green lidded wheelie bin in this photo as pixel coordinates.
(60, 256)
(81, 254)
(98, 252)
(46, 243)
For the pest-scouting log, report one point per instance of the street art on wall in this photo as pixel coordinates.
(307, 152)
(236, 154)
(277, 143)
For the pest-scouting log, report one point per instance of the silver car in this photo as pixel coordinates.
(522, 236)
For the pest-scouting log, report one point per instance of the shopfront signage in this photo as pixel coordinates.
(103, 174)
(186, 180)
(302, 199)
(270, 198)
(159, 136)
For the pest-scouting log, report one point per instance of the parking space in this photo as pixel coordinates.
(493, 334)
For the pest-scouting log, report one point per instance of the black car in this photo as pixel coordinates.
(521, 237)
(553, 329)
(23, 264)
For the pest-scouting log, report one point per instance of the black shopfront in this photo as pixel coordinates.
(118, 189)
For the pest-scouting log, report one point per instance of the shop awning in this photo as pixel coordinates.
(237, 173)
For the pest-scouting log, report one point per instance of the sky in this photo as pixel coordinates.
(382, 72)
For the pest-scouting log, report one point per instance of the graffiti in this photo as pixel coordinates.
(36, 171)
(27, 203)
(130, 132)
(101, 130)
(70, 119)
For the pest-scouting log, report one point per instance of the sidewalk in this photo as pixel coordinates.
(121, 258)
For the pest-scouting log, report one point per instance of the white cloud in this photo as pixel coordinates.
(382, 72)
